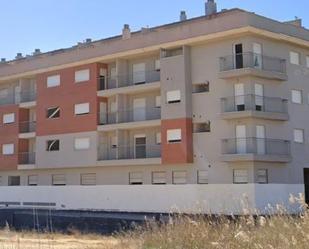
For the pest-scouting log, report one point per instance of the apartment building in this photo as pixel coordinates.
(221, 99)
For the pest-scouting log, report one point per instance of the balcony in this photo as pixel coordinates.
(137, 117)
(249, 63)
(23, 98)
(127, 83)
(26, 158)
(254, 106)
(27, 129)
(140, 154)
(256, 149)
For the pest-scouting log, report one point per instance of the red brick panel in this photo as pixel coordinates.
(177, 153)
(9, 135)
(66, 96)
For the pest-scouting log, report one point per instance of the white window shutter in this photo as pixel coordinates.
(294, 58)
(297, 96)
(82, 108)
(174, 135)
(82, 75)
(240, 176)
(8, 149)
(9, 118)
(82, 143)
(173, 96)
(53, 80)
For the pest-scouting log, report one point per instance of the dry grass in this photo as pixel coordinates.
(183, 232)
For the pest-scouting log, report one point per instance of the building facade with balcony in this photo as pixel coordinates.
(220, 99)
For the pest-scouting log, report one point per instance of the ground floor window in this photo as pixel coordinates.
(240, 176)
(14, 181)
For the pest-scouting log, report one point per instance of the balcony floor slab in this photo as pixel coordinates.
(256, 158)
(255, 114)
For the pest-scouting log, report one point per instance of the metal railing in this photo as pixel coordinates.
(27, 96)
(27, 126)
(12, 98)
(126, 116)
(259, 146)
(26, 158)
(130, 79)
(108, 152)
(252, 102)
(252, 60)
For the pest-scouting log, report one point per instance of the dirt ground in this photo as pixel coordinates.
(26, 240)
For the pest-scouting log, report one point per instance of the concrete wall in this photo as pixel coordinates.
(212, 199)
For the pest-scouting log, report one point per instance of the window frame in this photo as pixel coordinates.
(234, 175)
(169, 135)
(81, 113)
(303, 136)
(199, 178)
(55, 115)
(48, 146)
(292, 53)
(82, 80)
(61, 184)
(10, 116)
(12, 149)
(158, 178)
(133, 178)
(28, 180)
(88, 174)
(10, 182)
(170, 99)
(55, 81)
(174, 177)
(80, 148)
(293, 92)
(258, 176)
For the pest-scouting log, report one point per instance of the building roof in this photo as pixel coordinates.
(159, 36)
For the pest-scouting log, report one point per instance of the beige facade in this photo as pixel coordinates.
(249, 132)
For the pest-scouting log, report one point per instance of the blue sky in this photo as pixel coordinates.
(54, 24)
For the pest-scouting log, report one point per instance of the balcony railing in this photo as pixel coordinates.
(258, 146)
(24, 96)
(252, 60)
(252, 102)
(127, 116)
(26, 158)
(130, 79)
(27, 126)
(27, 96)
(141, 151)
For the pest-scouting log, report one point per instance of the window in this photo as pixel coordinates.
(174, 136)
(88, 179)
(53, 80)
(139, 73)
(53, 145)
(202, 177)
(33, 180)
(136, 178)
(240, 176)
(297, 97)
(294, 58)
(179, 177)
(158, 101)
(4, 93)
(201, 127)
(82, 143)
(157, 65)
(82, 75)
(298, 136)
(9, 118)
(114, 142)
(158, 178)
(158, 138)
(1, 181)
(173, 96)
(81, 109)
(8, 149)
(14, 181)
(262, 176)
(53, 112)
(307, 60)
(58, 180)
(201, 88)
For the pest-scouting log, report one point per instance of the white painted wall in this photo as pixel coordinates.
(213, 198)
